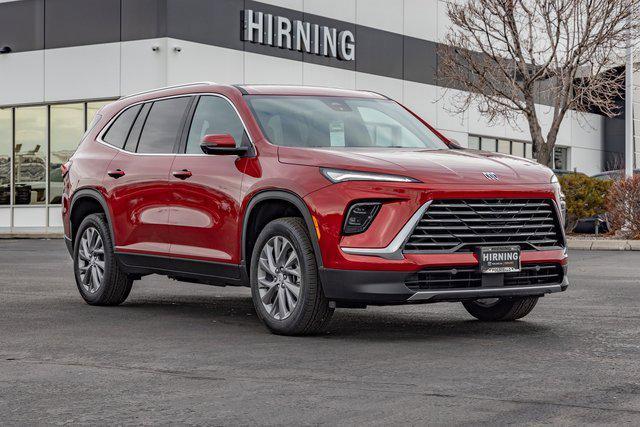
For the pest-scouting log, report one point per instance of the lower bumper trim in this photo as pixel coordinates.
(484, 292)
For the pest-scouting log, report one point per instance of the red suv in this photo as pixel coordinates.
(315, 198)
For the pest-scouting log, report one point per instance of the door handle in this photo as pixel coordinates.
(183, 174)
(116, 173)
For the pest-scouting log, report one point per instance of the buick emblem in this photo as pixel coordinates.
(491, 175)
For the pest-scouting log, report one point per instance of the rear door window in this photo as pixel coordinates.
(119, 129)
(163, 125)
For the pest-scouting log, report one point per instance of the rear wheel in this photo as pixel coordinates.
(99, 277)
(285, 286)
(500, 309)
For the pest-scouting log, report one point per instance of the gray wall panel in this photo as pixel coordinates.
(22, 25)
(143, 19)
(205, 21)
(420, 60)
(379, 52)
(81, 22)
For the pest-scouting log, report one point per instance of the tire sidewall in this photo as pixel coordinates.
(281, 228)
(93, 221)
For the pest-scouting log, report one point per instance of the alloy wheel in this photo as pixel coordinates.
(279, 277)
(91, 260)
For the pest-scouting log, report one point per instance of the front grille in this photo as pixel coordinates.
(464, 224)
(471, 277)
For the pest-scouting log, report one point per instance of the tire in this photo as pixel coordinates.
(504, 309)
(113, 285)
(275, 280)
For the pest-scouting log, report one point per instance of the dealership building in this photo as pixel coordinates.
(62, 60)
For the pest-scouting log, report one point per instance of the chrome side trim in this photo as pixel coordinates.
(394, 249)
(481, 292)
(158, 89)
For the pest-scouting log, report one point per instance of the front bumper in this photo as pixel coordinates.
(388, 287)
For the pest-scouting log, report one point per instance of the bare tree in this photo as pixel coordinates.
(506, 55)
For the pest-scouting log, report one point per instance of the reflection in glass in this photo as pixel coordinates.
(66, 129)
(474, 143)
(504, 146)
(6, 140)
(517, 148)
(93, 108)
(489, 144)
(30, 155)
(528, 151)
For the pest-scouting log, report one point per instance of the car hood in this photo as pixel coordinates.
(429, 166)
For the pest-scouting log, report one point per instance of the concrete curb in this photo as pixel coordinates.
(31, 236)
(603, 245)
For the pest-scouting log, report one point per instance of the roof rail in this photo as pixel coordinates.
(168, 87)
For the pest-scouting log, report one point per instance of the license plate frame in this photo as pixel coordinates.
(499, 259)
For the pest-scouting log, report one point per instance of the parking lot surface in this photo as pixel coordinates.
(185, 353)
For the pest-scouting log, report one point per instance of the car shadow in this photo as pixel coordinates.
(418, 323)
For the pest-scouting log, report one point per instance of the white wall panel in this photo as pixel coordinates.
(444, 23)
(344, 10)
(421, 19)
(585, 160)
(381, 14)
(22, 78)
(446, 118)
(29, 217)
(55, 216)
(392, 88)
(142, 67)
(200, 62)
(268, 69)
(82, 72)
(5, 217)
(519, 129)
(479, 125)
(587, 131)
(420, 98)
(319, 75)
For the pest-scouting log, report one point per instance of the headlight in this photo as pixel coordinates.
(559, 195)
(338, 175)
(359, 217)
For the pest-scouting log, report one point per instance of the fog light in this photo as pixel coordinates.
(360, 216)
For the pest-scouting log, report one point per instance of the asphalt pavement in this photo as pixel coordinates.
(191, 354)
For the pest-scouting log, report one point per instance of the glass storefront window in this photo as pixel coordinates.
(504, 146)
(528, 151)
(93, 108)
(474, 143)
(6, 142)
(517, 148)
(66, 130)
(30, 150)
(561, 158)
(489, 144)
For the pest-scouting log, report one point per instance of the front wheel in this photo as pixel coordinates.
(500, 309)
(285, 286)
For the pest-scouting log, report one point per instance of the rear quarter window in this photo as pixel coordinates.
(117, 133)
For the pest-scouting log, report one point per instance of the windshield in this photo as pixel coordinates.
(320, 121)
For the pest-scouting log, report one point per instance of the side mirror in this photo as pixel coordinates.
(221, 144)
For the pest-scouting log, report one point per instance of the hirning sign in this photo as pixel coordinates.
(278, 31)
